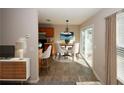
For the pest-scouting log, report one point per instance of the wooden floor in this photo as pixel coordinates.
(67, 73)
(63, 73)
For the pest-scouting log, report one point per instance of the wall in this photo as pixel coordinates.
(99, 41)
(18, 23)
(61, 28)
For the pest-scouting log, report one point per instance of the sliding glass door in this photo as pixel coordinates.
(86, 44)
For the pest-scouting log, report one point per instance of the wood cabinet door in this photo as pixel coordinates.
(41, 29)
(20, 70)
(0, 70)
(48, 30)
(13, 70)
(7, 70)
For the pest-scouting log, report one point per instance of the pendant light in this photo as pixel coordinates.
(67, 29)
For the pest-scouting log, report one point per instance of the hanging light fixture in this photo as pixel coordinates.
(67, 29)
(66, 35)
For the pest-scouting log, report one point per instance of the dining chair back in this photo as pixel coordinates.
(45, 58)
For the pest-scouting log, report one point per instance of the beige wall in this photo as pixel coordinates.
(19, 23)
(99, 40)
(72, 28)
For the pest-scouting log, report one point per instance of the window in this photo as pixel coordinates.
(120, 47)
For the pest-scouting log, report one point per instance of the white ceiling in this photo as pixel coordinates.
(76, 16)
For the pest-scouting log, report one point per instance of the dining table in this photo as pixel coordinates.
(67, 48)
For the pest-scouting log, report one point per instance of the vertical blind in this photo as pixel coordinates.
(120, 47)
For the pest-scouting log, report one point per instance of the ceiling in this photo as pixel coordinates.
(76, 16)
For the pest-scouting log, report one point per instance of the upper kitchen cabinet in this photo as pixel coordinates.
(49, 31)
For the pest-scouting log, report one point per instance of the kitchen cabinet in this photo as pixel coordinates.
(49, 31)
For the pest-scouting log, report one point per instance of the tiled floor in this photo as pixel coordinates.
(67, 72)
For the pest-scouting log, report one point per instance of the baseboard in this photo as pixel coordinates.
(33, 81)
(98, 77)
